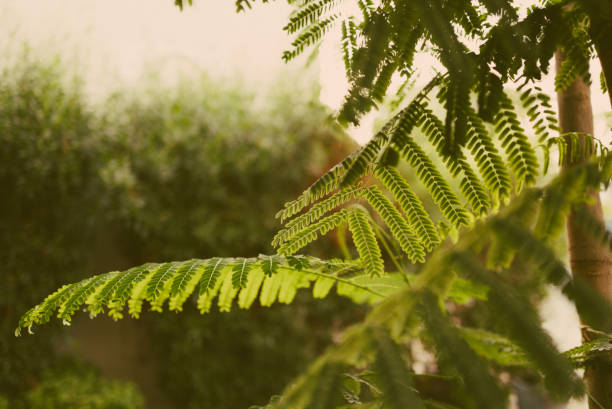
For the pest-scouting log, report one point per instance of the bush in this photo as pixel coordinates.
(82, 388)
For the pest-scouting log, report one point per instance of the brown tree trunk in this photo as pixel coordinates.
(589, 258)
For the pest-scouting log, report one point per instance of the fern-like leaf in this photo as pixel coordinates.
(211, 274)
(521, 156)
(417, 217)
(309, 36)
(311, 233)
(426, 171)
(308, 13)
(349, 43)
(365, 241)
(249, 293)
(315, 212)
(540, 112)
(240, 273)
(272, 278)
(487, 158)
(321, 187)
(396, 223)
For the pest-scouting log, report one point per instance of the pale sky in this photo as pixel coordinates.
(118, 42)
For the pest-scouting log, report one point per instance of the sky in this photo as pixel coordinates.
(114, 43)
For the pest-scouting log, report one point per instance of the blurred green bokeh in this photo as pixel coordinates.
(148, 175)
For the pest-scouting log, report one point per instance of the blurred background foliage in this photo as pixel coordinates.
(152, 174)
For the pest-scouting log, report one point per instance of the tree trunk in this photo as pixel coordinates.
(589, 258)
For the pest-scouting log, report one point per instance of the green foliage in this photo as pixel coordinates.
(46, 137)
(82, 388)
(511, 45)
(99, 170)
(411, 205)
(273, 278)
(351, 181)
(398, 226)
(520, 153)
(365, 241)
(528, 347)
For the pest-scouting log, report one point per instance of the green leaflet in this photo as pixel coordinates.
(137, 296)
(309, 36)
(494, 347)
(520, 153)
(43, 312)
(300, 223)
(473, 190)
(321, 187)
(270, 288)
(79, 295)
(487, 158)
(299, 262)
(541, 114)
(311, 233)
(439, 189)
(322, 286)
(211, 275)
(122, 293)
(227, 292)
(349, 43)
(365, 241)
(455, 161)
(156, 286)
(398, 226)
(269, 264)
(366, 288)
(206, 298)
(249, 293)
(187, 277)
(584, 353)
(104, 294)
(271, 278)
(157, 291)
(411, 205)
(240, 272)
(365, 157)
(308, 13)
(290, 285)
